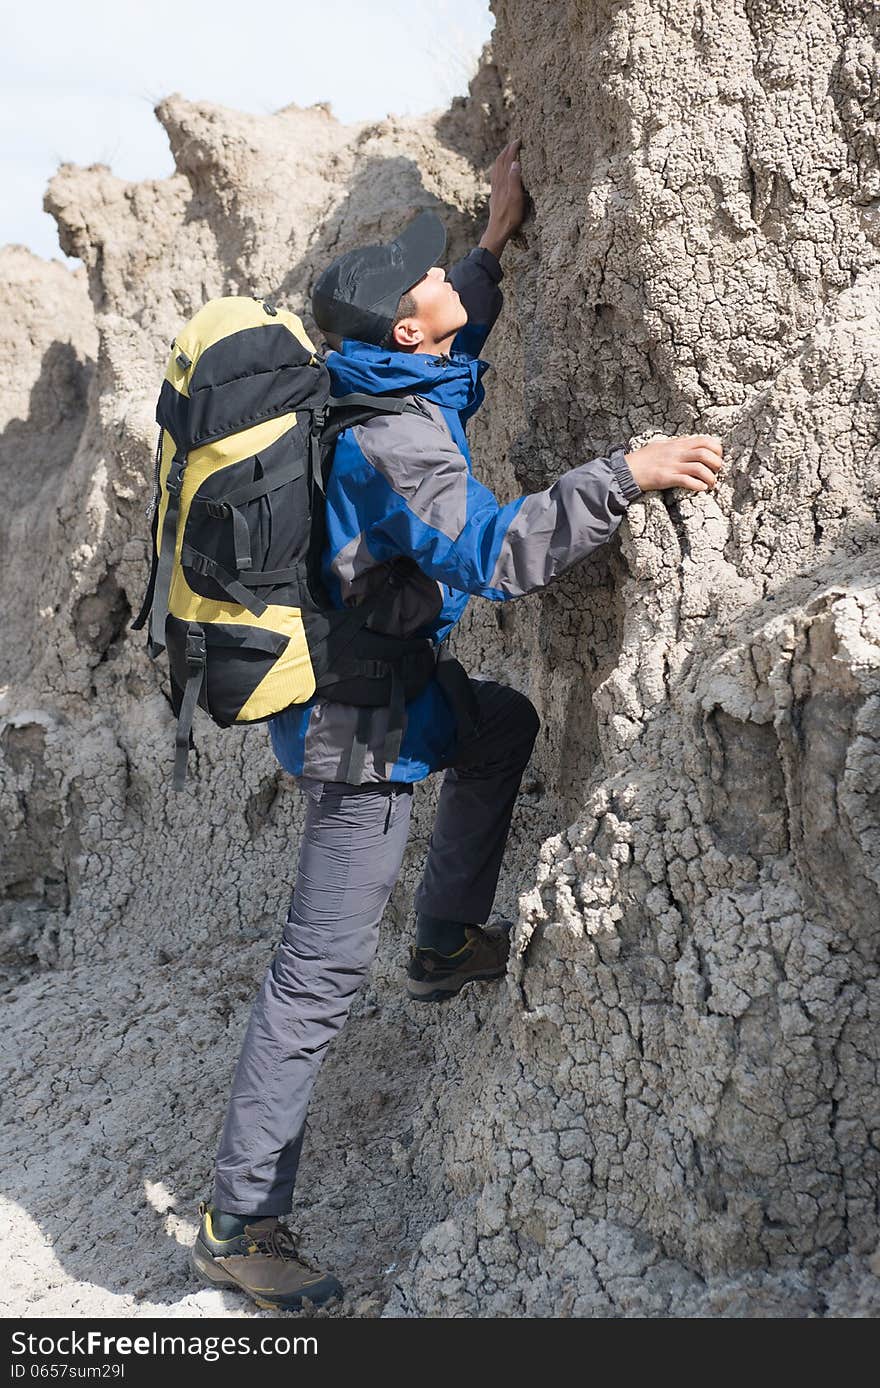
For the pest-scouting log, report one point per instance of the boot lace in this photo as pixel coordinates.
(278, 1242)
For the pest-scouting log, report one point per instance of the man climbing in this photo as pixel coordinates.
(401, 491)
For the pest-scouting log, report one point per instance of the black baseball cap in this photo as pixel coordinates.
(357, 296)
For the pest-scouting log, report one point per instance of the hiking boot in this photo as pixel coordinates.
(262, 1262)
(434, 977)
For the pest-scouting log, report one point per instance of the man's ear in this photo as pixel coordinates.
(407, 333)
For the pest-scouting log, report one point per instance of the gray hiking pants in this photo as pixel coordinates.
(350, 855)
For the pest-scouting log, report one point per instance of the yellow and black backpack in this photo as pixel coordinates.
(235, 595)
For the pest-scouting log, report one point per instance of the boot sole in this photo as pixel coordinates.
(211, 1273)
(440, 994)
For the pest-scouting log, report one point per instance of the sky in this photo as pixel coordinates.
(80, 81)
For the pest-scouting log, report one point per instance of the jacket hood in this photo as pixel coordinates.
(452, 380)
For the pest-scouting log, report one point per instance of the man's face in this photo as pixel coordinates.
(439, 313)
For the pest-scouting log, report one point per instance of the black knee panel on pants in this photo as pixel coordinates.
(525, 723)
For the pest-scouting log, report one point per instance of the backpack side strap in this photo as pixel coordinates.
(159, 588)
(196, 661)
(152, 513)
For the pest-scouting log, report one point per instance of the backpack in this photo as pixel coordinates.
(235, 595)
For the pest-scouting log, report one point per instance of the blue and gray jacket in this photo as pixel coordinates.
(403, 485)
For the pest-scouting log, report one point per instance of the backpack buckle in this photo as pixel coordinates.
(196, 653)
(217, 509)
(174, 480)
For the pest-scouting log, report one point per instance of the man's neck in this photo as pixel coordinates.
(437, 349)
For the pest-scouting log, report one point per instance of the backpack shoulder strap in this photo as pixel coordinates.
(345, 411)
(380, 404)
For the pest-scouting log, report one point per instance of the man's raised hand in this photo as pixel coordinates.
(507, 199)
(692, 461)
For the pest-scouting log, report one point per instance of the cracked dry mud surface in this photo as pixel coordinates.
(669, 1107)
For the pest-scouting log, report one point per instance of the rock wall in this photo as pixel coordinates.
(669, 1108)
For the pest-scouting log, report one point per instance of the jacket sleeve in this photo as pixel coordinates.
(434, 510)
(476, 278)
